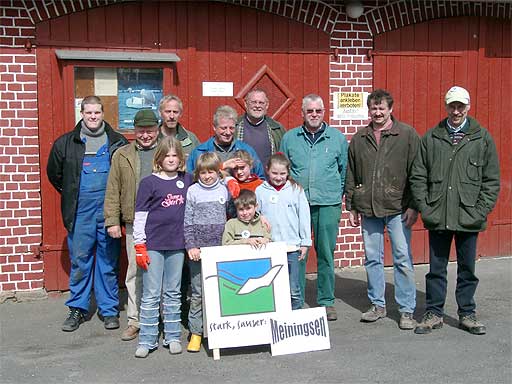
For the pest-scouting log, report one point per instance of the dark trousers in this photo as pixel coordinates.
(436, 282)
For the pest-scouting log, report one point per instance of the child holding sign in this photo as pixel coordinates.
(284, 204)
(205, 216)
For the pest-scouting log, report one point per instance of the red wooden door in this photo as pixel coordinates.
(215, 42)
(419, 63)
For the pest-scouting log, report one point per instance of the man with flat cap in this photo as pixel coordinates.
(455, 182)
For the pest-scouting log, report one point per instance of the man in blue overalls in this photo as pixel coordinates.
(78, 168)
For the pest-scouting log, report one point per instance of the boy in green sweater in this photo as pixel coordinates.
(247, 227)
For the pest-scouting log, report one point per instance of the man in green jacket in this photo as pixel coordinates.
(257, 129)
(455, 182)
(318, 156)
(130, 164)
(377, 196)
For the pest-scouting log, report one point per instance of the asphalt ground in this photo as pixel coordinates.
(34, 349)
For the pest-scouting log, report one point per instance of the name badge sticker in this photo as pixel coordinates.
(180, 184)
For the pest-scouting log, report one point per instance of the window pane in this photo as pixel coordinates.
(123, 91)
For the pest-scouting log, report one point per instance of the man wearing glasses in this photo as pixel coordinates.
(257, 129)
(318, 154)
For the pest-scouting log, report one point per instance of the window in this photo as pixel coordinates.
(123, 91)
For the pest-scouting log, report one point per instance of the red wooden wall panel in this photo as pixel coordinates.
(216, 42)
(469, 51)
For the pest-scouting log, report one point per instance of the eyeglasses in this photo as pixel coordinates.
(317, 111)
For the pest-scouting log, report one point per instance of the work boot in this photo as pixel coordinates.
(406, 321)
(130, 333)
(331, 313)
(429, 322)
(111, 322)
(471, 324)
(73, 321)
(373, 314)
(194, 344)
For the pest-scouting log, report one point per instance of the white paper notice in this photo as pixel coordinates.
(217, 88)
(105, 81)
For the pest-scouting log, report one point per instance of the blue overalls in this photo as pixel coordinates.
(89, 234)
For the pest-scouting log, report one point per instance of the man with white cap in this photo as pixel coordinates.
(455, 181)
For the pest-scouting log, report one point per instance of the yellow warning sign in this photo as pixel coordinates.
(350, 105)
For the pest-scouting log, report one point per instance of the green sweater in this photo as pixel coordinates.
(238, 232)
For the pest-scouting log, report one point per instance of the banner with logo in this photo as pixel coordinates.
(242, 288)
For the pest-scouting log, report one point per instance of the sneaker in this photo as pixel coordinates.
(429, 322)
(75, 318)
(141, 352)
(406, 321)
(130, 333)
(373, 314)
(111, 322)
(331, 313)
(471, 324)
(175, 348)
(194, 344)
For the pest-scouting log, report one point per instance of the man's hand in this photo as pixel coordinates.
(354, 218)
(194, 254)
(141, 256)
(409, 217)
(114, 231)
(303, 252)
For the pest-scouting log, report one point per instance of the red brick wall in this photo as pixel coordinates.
(20, 203)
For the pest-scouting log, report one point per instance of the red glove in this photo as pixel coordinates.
(141, 256)
(233, 186)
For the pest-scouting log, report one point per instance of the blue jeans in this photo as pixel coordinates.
(400, 236)
(195, 313)
(293, 276)
(163, 278)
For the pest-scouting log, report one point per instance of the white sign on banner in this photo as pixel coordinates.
(242, 288)
(302, 330)
(218, 88)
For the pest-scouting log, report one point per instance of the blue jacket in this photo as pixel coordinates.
(287, 211)
(208, 146)
(319, 168)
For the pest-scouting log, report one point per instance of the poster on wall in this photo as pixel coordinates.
(350, 105)
(242, 288)
(138, 88)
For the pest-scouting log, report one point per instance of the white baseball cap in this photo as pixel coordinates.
(456, 93)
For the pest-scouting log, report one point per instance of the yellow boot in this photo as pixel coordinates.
(194, 344)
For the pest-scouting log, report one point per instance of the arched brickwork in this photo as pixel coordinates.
(405, 12)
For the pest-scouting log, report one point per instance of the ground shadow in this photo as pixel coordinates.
(353, 292)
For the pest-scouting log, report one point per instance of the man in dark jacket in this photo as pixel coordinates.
(78, 168)
(257, 129)
(455, 182)
(377, 194)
